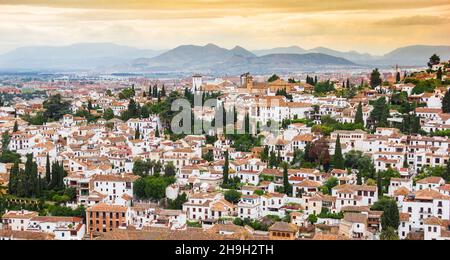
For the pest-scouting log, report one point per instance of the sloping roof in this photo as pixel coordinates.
(284, 227)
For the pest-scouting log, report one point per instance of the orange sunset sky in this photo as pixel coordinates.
(375, 26)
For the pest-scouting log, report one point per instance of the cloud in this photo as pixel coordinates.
(245, 6)
(362, 25)
(415, 20)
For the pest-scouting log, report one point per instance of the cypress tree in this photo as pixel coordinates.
(54, 179)
(48, 171)
(16, 127)
(359, 178)
(30, 181)
(379, 185)
(439, 74)
(157, 132)
(224, 118)
(226, 168)
(286, 184)
(447, 173)
(391, 216)
(61, 175)
(265, 154)
(398, 77)
(273, 161)
(359, 117)
(405, 161)
(375, 79)
(446, 103)
(338, 159)
(137, 134)
(247, 124)
(163, 91)
(22, 189)
(13, 178)
(155, 91)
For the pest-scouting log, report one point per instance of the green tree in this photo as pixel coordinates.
(265, 154)
(48, 171)
(177, 204)
(16, 127)
(169, 170)
(389, 234)
(157, 132)
(312, 219)
(398, 77)
(273, 78)
(331, 183)
(324, 87)
(208, 156)
(338, 159)
(127, 93)
(142, 168)
(145, 111)
(55, 108)
(273, 160)
(434, 60)
(232, 196)
(137, 133)
(375, 78)
(108, 114)
(286, 185)
(439, 74)
(13, 179)
(380, 112)
(152, 187)
(447, 173)
(446, 103)
(359, 117)
(6, 139)
(226, 168)
(391, 216)
(163, 91)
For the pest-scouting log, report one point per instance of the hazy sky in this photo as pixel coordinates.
(375, 26)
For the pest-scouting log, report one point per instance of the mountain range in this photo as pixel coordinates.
(108, 57)
(82, 56)
(416, 55)
(216, 60)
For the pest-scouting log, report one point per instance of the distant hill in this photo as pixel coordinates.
(108, 57)
(281, 50)
(83, 56)
(351, 55)
(417, 54)
(409, 56)
(214, 59)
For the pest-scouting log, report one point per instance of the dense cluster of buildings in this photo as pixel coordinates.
(99, 158)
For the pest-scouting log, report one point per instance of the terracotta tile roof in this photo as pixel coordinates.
(322, 236)
(429, 194)
(433, 180)
(355, 217)
(161, 234)
(103, 207)
(283, 227)
(26, 235)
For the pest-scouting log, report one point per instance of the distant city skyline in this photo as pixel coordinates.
(366, 26)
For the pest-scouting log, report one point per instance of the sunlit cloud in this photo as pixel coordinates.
(363, 25)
